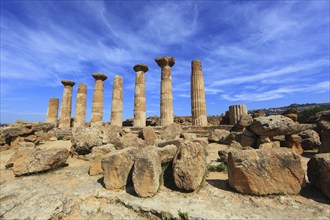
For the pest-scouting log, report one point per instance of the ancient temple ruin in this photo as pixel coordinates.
(198, 101)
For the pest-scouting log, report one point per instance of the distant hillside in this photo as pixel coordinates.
(299, 107)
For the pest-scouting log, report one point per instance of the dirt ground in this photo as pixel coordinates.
(70, 193)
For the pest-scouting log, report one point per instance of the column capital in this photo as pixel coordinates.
(141, 67)
(165, 61)
(100, 76)
(68, 83)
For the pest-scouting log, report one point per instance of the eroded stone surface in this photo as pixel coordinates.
(146, 173)
(319, 172)
(116, 167)
(189, 166)
(40, 160)
(262, 172)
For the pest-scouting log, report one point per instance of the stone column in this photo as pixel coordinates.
(166, 98)
(117, 102)
(80, 116)
(198, 103)
(52, 112)
(140, 96)
(235, 113)
(97, 108)
(65, 118)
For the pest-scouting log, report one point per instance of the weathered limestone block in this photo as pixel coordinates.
(262, 172)
(235, 113)
(117, 166)
(24, 144)
(80, 116)
(65, 117)
(294, 142)
(129, 140)
(243, 122)
(176, 142)
(52, 112)
(198, 103)
(189, 166)
(188, 136)
(140, 96)
(171, 132)
(166, 96)
(30, 138)
(117, 102)
(258, 113)
(323, 124)
(218, 135)
(18, 153)
(248, 139)
(167, 153)
(292, 114)
(95, 166)
(84, 139)
(97, 107)
(318, 172)
(274, 125)
(149, 135)
(146, 172)
(40, 160)
(310, 139)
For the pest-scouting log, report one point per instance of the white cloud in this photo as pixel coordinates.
(279, 93)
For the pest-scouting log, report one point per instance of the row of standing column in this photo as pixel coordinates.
(97, 107)
(198, 103)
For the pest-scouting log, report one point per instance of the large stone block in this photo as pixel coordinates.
(262, 172)
(172, 131)
(40, 160)
(146, 173)
(273, 125)
(318, 172)
(310, 139)
(117, 166)
(95, 162)
(189, 166)
(218, 135)
(149, 135)
(84, 139)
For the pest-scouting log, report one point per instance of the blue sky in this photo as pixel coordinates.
(260, 53)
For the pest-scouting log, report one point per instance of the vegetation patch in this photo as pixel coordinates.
(217, 168)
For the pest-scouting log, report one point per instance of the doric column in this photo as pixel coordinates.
(65, 118)
(52, 112)
(117, 102)
(140, 96)
(235, 113)
(198, 103)
(80, 116)
(166, 98)
(97, 108)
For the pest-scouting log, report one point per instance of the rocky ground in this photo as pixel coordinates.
(70, 193)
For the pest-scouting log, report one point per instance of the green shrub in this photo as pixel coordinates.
(217, 168)
(183, 215)
(306, 114)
